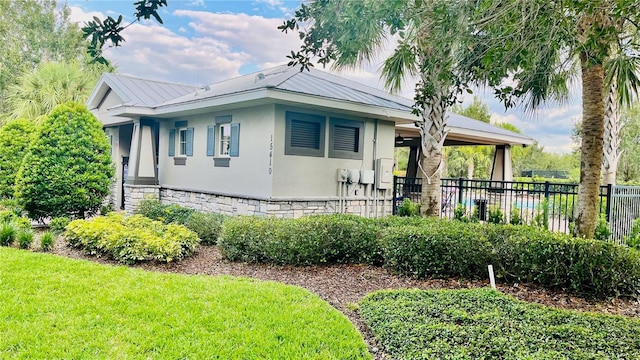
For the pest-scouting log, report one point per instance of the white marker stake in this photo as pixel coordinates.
(492, 279)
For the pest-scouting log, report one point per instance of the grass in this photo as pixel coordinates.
(484, 324)
(54, 307)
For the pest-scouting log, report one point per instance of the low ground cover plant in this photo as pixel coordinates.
(432, 247)
(59, 308)
(129, 239)
(206, 225)
(485, 324)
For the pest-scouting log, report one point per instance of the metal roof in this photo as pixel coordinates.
(141, 92)
(156, 95)
(313, 82)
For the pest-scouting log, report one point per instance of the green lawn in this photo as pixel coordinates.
(53, 307)
(484, 324)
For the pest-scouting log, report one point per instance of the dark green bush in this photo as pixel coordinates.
(633, 239)
(131, 239)
(432, 247)
(15, 138)
(58, 224)
(304, 241)
(206, 225)
(408, 208)
(559, 261)
(67, 170)
(438, 248)
(603, 231)
(495, 215)
(167, 214)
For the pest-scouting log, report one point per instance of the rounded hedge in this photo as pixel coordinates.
(67, 170)
(15, 138)
(432, 247)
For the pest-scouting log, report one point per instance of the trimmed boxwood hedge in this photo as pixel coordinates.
(432, 247)
(309, 240)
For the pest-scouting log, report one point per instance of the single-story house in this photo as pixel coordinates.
(276, 142)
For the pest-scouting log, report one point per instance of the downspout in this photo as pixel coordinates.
(375, 167)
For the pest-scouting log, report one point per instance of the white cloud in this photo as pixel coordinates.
(80, 16)
(255, 36)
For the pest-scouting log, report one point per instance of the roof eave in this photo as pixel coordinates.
(273, 94)
(489, 137)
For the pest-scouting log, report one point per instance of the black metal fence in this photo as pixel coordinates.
(547, 204)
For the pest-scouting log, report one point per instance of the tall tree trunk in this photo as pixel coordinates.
(432, 131)
(611, 137)
(591, 150)
(470, 168)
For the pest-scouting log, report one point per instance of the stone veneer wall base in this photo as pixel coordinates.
(229, 205)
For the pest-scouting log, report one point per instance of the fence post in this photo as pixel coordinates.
(608, 206)
(460, 189)
(546, 190)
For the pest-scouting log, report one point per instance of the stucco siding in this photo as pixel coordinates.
(309, 176)
(247, 174)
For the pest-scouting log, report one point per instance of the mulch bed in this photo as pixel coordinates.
(344, 285)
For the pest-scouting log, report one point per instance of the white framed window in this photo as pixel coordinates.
(182, 142)
(224, 137)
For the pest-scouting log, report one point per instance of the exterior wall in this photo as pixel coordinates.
(227, 205)
(308, 176)
(133, 194)
(120, 146)
(110, 100)
(247, 175)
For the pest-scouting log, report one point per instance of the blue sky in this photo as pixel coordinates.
(203, 42)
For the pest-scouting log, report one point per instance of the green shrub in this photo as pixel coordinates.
(408, 208)
(460, 213)
(25, 238)
(559, 261)
(495, 215)
(633, 239)
(438, 248)
(58, 224)
(106, 209)
(516, 217)
(131, 239)
(22, 223)
(7, 216)
(167, 214)
(15, 138)
(603, 231)
(7, 234)
(308, 240)
(46, 241)
(67, 170)
(206, 225)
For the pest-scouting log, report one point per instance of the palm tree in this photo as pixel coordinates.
(346, 33)
(579, 33)
(37, 92)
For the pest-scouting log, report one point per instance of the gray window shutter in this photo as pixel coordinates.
(234, 147)
(172, 142)
(211, 131)
(189, 149)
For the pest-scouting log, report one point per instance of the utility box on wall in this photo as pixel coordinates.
(367, 177)
(384, 173)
